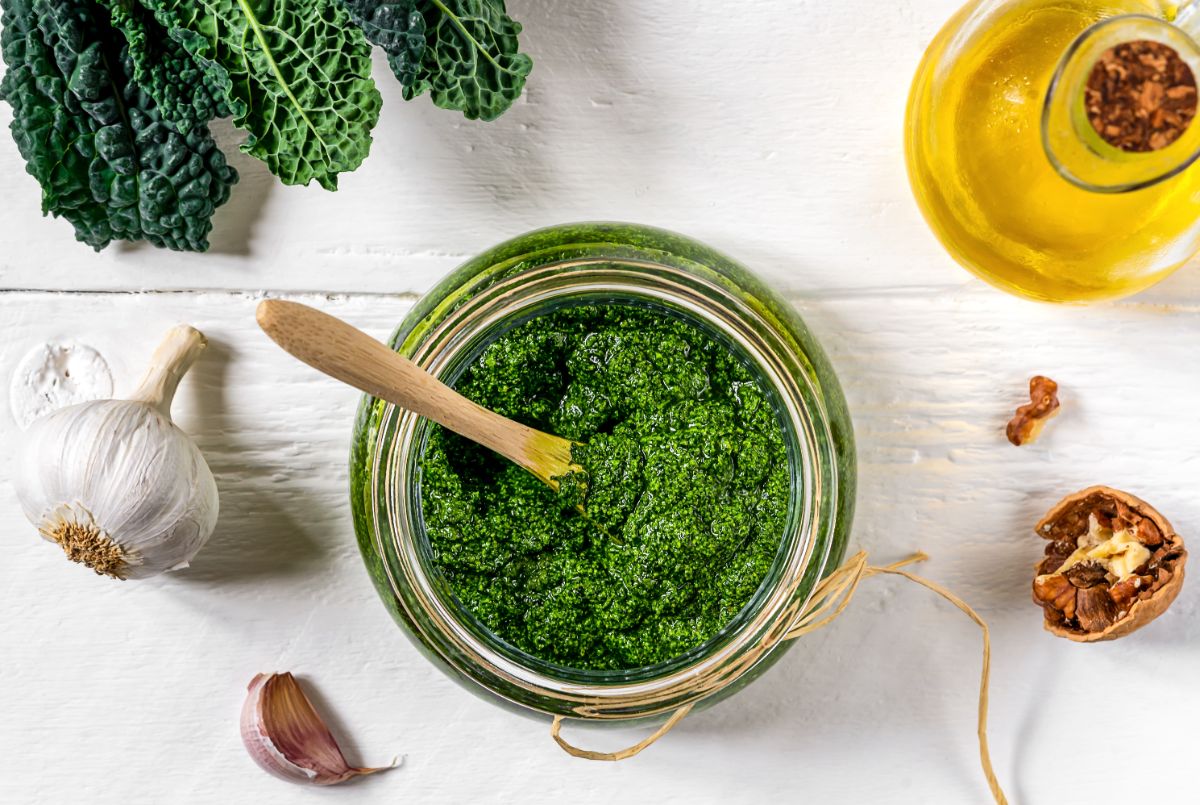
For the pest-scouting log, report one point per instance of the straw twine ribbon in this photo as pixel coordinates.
(828, 601)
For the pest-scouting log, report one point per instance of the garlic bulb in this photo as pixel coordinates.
(286, 737)
(115, 483)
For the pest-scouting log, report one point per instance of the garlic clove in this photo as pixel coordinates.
(286, 737)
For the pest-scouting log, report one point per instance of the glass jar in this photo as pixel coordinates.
(1011, 175)
(602, 263)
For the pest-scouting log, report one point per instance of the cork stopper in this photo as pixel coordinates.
(1141, 96)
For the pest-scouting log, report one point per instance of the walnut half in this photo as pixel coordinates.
(1112, 565)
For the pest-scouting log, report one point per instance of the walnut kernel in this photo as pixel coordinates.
(1030, 418)
(1112, 565)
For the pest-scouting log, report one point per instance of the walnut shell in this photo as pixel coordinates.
(1109, 611)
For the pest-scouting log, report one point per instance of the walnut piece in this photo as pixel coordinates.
(1112, 565)
(1141, 96)
(1029, 420)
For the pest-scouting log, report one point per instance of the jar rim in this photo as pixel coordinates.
(469, 308)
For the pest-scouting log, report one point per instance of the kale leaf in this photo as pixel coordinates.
(465, 53)
(185, 93)
(296, 74)
(398, 28)
(472, 62)
(112, 98)
(95, 140)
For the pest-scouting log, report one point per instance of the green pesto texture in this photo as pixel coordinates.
(687, 489)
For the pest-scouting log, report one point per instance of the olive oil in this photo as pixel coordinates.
(984, 182)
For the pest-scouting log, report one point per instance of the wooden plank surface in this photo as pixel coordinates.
(138, 685)
(750, 129)
(771, 131)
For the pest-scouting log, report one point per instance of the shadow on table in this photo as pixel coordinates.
(259, 533)
(587, 117)
(341, 733)
(233, 222)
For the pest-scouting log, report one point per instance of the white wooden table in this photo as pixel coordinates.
(771, 130)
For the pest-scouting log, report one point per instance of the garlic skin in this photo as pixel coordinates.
(115, 483)
(285, 736)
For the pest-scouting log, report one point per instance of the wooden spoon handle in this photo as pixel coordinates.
(343, 352)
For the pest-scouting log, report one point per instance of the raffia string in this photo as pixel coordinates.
(628, 751)
(829, 600)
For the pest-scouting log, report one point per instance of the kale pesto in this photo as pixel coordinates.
(687, 489)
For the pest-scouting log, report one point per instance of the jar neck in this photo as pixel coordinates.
(1074, 147)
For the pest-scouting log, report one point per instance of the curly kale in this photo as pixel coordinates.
(112, 98)
(472, 62)
(398, 28)
(185, 93)
(465, 53)
(297, 76)
(106, 156)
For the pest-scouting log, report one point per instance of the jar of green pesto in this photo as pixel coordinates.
(539, 275)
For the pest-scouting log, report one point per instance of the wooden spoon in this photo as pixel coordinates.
(355, 358)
